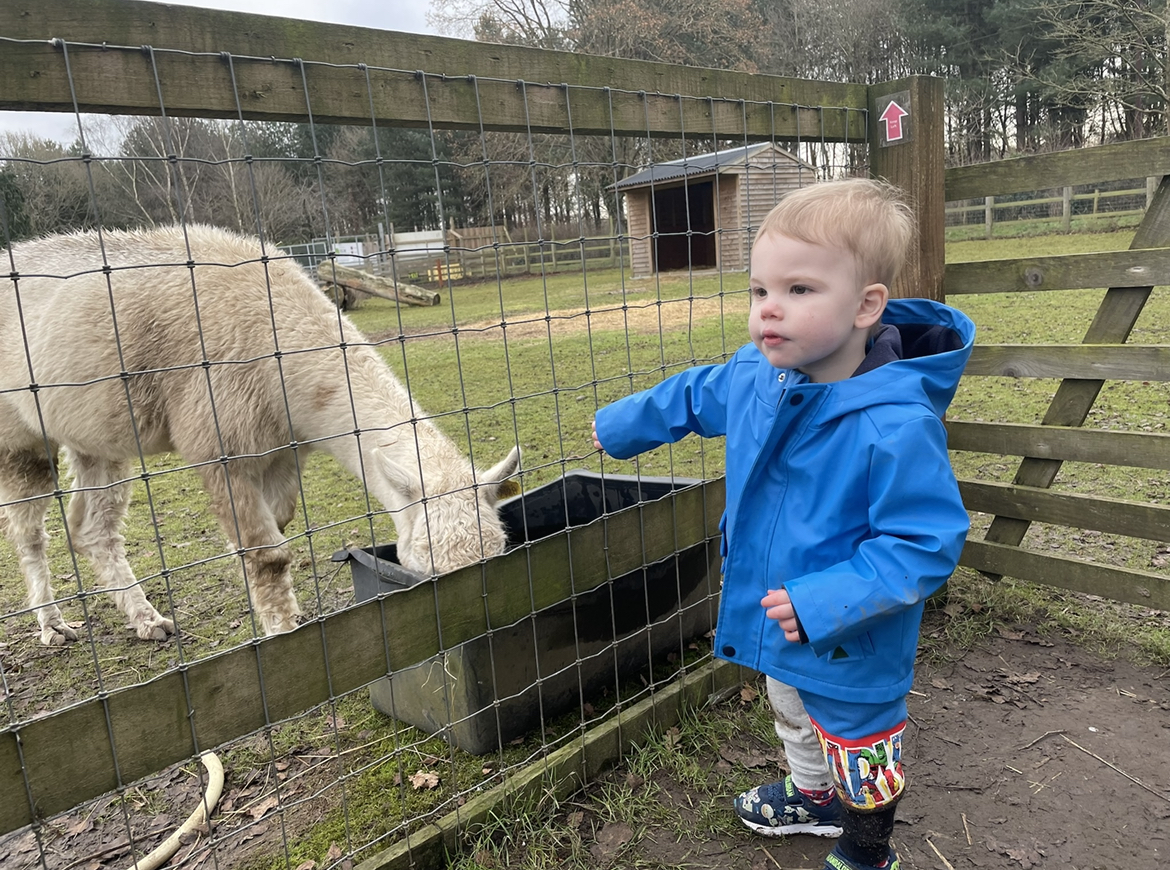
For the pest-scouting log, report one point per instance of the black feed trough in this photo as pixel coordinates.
(486, 692)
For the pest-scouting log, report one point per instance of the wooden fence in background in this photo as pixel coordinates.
(1054, 212)
(1083, 369)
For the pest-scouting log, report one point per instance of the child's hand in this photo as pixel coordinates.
(596, 443)
(779, 607)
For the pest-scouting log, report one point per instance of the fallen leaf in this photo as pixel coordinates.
(743, 757)
(672, 737)
(79, 827)
(257, 811)
(1024, 678)
(1026, 856)
(422, 779)
(610, 840)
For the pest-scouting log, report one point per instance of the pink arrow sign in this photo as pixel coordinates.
(892, 118)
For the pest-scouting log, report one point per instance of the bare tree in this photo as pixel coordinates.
(725, 34)
(835, 40)
(540, 23)
(1105, 65)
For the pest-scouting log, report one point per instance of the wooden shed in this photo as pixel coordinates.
(701, 212)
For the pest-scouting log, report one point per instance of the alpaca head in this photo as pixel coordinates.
(456, 523)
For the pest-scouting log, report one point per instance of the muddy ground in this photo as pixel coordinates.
(1023, 752)
(1026, 752)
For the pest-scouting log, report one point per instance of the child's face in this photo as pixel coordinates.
(810, 310)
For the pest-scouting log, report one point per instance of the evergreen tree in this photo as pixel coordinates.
(14, 221)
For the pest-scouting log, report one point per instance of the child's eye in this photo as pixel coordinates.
(759, 292)
(800, 289)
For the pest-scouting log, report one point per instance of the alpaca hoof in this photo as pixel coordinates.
(57, 634)
(279, 623)
(156, 629)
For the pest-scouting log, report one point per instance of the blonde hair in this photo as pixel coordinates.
(866, 217)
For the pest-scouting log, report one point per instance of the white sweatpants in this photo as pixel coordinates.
(802, 747)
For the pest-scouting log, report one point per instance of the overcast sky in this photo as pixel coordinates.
(405, 15)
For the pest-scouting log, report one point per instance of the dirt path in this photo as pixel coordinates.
(640, 318)
(1019, 755)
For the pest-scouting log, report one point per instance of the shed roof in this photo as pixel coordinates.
(701, 164)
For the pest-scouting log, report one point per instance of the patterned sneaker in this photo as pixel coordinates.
(778, 809)
(837, 861)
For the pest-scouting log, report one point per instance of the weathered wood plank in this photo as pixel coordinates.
(1139, 159)
(1065, 572)
(564, 771)
(915, 162)
(1101, 362)
(1066, 443)
(68, 756)
(1069, 272)
(1112, 515)
(466, 82)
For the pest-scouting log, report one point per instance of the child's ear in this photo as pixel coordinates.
(873, 302)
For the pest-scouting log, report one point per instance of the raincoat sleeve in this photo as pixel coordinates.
(694, 400)
(917, 528)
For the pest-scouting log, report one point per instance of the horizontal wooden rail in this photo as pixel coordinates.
(1115, 362)
(355, 73)
(1136, 268)
(564, 772)
(1117, 162)
(1065, 572)
(1112, 515)
(1095, 197)
(103, 743)
(1066, 443)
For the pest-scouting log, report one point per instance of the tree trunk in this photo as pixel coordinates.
(367, 282)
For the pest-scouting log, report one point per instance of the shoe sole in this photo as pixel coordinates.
(787, 830)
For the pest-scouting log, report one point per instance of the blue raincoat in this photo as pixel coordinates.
(842, 493)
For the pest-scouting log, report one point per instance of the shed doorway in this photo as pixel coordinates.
(677, 210)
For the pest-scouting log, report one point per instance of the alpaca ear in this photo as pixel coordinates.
(493, 479)
(398, 476)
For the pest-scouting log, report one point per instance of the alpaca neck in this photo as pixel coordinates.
(390, 422)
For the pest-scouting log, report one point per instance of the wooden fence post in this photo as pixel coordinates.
(906, 149)
(988, 215)
(1066, 206)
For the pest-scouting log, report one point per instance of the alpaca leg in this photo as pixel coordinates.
(95, 515)
(248, 521)
(22, 476)
(282, 485)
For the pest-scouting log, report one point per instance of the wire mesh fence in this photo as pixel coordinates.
(259, 543)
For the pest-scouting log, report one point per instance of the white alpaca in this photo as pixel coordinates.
(230, 358)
